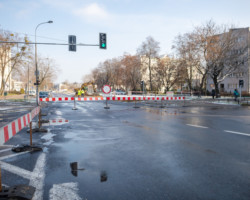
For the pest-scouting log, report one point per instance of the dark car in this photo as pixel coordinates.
(43, 94)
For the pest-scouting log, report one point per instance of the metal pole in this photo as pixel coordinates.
(240, 92)
(0, 181)
(30, 133)
(39, 123)
(28, 80)
(36, 59)
(74, 108)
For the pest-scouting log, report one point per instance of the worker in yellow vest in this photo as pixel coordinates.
(79, 93)
(83, 93)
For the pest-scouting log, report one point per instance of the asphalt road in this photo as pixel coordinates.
(194, 152)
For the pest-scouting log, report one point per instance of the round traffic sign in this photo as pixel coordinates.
(106, 89)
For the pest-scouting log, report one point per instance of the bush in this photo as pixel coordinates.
(22, 91)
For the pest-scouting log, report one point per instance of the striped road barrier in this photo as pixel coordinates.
(116, 98)
(11, 129)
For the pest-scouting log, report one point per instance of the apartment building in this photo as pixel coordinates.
(242, 73)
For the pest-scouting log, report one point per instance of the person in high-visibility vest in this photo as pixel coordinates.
(79, 93)
(82, 92)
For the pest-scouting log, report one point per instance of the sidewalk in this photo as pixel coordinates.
(14, 96)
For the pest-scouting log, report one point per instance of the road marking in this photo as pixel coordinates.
(36, 177)
(13, 155)
(16, 170)
(238, 133)
(196, 126)
(64, 191)
(5, 150)
(37, 180)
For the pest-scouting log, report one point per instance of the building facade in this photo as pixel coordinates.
(231, 82)
(5, 70)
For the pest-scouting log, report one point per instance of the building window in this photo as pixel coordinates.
(232, 86)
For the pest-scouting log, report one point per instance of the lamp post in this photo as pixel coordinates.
(48, 22)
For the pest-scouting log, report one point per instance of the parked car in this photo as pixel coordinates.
(119, 92)
(32, 93)
(43, 94)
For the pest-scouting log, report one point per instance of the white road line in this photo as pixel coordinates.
(196, 126)
(10, 146)
(5, 150)
(64, 191)
(13, 155)
(37, 180)
(238, 133)
(16, 170)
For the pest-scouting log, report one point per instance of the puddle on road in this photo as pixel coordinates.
(136, 125)
(74, 171)
(164, 112)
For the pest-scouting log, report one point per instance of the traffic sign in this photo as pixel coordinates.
(106, 89)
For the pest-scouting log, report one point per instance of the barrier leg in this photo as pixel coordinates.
(38, 127)
(30, 133)
(161, 106)
(136, 105)
(106, 107)
(74, 108)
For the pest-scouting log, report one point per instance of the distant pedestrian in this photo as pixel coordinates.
(82, 92)
(213, 93)
(236, 94)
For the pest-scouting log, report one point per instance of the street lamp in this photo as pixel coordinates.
(48, 22)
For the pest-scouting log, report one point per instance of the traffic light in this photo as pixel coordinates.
(37, 82)
(241, 83)
(72, 43)
(102, 41)
(142, 85)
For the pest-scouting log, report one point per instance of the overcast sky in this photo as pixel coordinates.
(126, 22)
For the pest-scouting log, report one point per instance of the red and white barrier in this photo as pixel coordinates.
(73, 98)
(11, 129)
(115, 98)
(57, 121)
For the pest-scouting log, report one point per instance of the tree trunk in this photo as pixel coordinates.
(150, 75)
(216, 85)
(201, 84)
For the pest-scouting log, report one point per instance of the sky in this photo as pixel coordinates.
(127, 24)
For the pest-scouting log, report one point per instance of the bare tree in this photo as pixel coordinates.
(149, 50)
(225, 55)
(212, 50)
(87, 78)
(167, 72)
(48, 72)
(11, 55)
(131, 71)
(185, 48)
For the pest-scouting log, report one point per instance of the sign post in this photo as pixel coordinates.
(106, 89)
(241, 84)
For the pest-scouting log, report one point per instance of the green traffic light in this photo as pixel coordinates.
(103, 44)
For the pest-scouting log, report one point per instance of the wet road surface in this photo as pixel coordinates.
(146, 153)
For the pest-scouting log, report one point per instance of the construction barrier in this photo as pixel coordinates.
(11, 129)
(115, 98)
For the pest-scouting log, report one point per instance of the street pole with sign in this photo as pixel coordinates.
(241, 84)
(37, 73)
